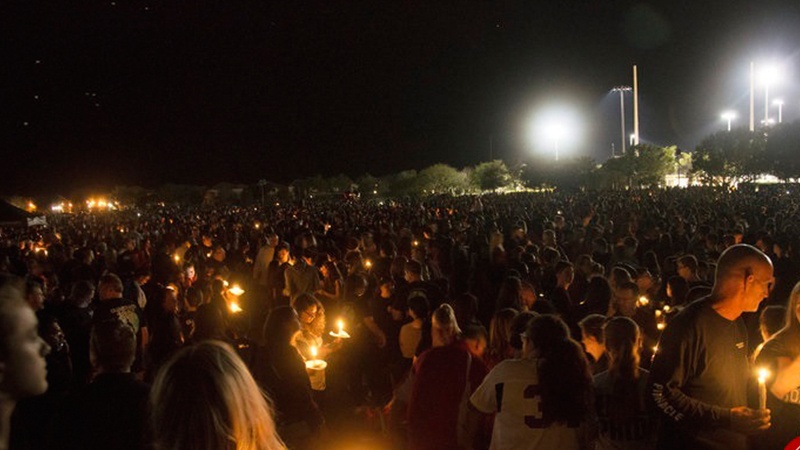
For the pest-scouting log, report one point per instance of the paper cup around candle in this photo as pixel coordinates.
(316, 373)
(342, 335)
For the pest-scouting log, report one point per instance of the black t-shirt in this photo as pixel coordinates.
(121, 309)
(700, 372)
(785, 412)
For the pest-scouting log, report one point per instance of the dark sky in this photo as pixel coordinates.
(146, 91)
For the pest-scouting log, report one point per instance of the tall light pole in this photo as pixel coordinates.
(635, 105)
(556, 132)
(779, 102)
(622, 90)
(728, 116)
(769, 75)
(752, 96)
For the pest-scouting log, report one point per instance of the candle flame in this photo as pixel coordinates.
(236, 290)
(313, 352)
(763, 374)
(661, 326)
(643, 301)
(235, 308)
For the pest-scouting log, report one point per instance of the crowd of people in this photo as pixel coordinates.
(608, 320)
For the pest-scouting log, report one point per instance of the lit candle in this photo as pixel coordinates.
(236, 290)
(313, 352)
(763, 374)
(661, 326)
(177, 259)
(340, 324)
(235, 308)
(643, 301)
(368, 264)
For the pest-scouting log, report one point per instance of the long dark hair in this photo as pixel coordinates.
(564, 376)
(621, 336)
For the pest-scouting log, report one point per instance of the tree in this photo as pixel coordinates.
(340, 183)
(492, 175)
(368, 184)
(401, 183)
(782, 152)
(651, 164)
(441, 178)
(727, 155)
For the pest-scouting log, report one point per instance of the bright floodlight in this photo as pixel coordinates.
(728, 116)
(555, 129)
(769, 74)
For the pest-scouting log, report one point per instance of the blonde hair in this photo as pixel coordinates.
(205, 398)
(445, 319)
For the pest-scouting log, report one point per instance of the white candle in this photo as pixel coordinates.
(763, 374)
(340, 324)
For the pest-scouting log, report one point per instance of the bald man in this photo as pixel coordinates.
(701, 371)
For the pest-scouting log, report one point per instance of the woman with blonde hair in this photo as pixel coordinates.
(204, 398)
(781, 355)
(444, 374)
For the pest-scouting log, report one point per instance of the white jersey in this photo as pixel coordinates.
(512, 391)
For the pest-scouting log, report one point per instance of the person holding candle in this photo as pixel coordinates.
(780, 355)
(281, 371)
(699, 376)
(309, 340)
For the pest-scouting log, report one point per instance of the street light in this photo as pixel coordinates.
(556, 127)
(622, 90)
(728, 116)
(779, 102)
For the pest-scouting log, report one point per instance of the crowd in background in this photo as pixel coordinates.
(560, 299)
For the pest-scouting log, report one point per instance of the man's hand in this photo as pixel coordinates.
(749, 421)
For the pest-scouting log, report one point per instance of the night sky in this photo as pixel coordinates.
(146, 92)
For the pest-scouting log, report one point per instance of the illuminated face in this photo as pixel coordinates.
(757, 287)
(308, 315)
(23, 368)
(625, 301)
(219, 254)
